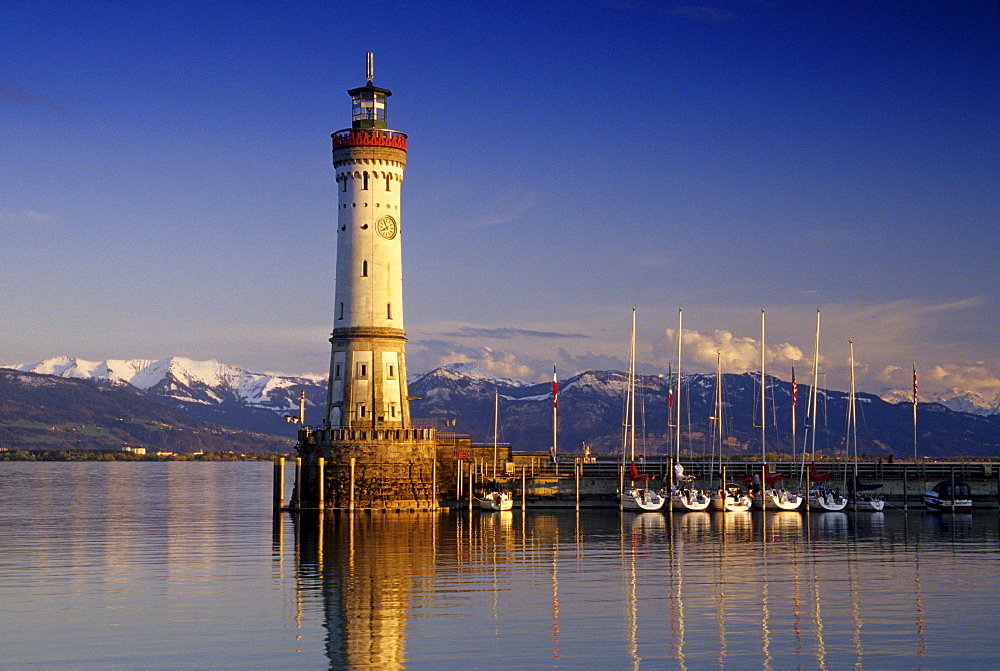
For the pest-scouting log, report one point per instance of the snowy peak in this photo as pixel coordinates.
(185, 380)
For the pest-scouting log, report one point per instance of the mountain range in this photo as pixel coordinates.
(460, 398)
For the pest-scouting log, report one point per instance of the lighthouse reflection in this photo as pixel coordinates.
(367, 566)
(607, 590)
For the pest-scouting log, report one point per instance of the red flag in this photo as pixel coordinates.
(555, 388)
(795, 389)
(670, 390)
(914, 383)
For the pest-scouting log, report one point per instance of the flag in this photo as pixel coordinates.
(795, 389)
(555, 388)
(914, 383)
(670, 389)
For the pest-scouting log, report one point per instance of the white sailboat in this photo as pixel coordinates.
(684, 495)
(729, 496)
(863, 494)
(770, 494)
(495, 500)
(821, 498)
(635, 497)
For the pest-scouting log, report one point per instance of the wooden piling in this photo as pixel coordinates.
(298, 483)
(524, 489)
(279, 483)
(350, 505)
(576, 476)
(906, 498)
(320, 473)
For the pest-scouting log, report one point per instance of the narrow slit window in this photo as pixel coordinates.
(364, 269)
(387, 179)
(388, 310)
(362, 370)
(336, 372)
(340, 315)
(364, 181)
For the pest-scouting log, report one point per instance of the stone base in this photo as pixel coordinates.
(393, 468)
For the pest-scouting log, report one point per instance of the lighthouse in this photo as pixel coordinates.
(367, 383)
(368, 453)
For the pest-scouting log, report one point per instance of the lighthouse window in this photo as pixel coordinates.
(364, 269)
(344, 182)
(388, 310)
(362, 370)
(387, 182)
(364, 181)
(341, 315)
(336, 372)
(362, 410)
(392, 410)
(391, 372)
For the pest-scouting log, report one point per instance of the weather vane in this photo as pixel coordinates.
(371, 67)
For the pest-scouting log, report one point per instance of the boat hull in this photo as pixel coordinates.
(642, 500)
(934, 502)
(691, 499)
(826, 501)
(495, 504)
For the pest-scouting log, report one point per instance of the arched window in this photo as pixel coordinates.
(364, 181)
(364, 269)
(387, 179)
(344, 185)
(388, 310)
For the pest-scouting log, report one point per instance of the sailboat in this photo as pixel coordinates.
(640, 498)
(730, 496)
(863, 494)
(821, 498)
(780, 497)
(494, 499)
(685, 497)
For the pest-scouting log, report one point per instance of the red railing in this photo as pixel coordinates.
(375, 137)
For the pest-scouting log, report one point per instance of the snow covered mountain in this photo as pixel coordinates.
(459, 397)
(210, 390)
(957, 400)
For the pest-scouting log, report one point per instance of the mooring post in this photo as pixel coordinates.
(279, 483)
(350, 505)
(763, 487)
(298, 483)
(621, 486)
(320, 464)
(906, 502)
(952, 489)
(576, 477)
(524, 488)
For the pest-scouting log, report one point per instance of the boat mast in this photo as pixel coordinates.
(852, 422)
(555, 415)
(630, 412)
(677, 399)
(813, 410)
(914, 414)
(718, 413)
(496, 427)
(763, 396)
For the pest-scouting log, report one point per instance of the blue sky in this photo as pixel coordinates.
(167, 186)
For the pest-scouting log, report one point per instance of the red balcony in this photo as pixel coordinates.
(374, 137)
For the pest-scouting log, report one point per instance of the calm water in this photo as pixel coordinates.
(181, 565)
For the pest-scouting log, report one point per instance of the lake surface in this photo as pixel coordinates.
(183, 565)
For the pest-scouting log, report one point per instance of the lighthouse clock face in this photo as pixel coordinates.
(386, 227)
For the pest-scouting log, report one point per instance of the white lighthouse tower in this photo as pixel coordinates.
(367, 386)
(368, 454)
